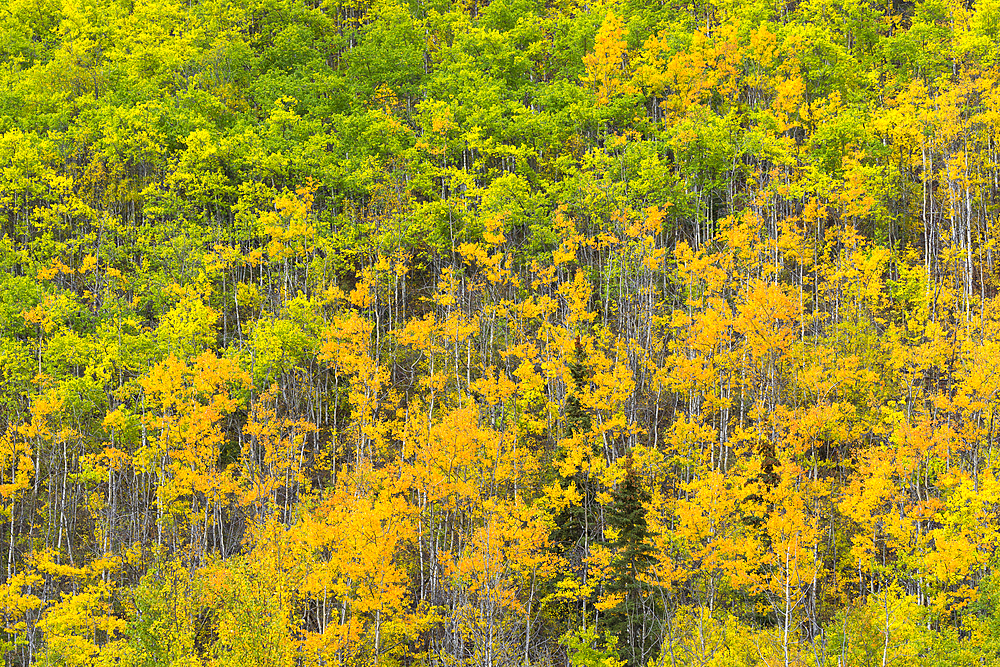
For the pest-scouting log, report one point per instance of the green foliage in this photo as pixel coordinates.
(163, 621)
(582, 647)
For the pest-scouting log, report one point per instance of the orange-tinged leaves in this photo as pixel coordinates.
(606, 64)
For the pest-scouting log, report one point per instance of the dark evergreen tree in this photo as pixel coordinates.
(577, 419)
(576, 525)
(630, 620)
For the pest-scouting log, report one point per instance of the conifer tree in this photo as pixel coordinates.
(577, 419)
(576, 525)
(630, 619)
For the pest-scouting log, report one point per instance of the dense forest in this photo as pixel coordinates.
(457, 332)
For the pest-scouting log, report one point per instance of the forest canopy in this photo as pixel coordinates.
(527, 333)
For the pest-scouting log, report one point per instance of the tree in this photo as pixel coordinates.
(631, 618)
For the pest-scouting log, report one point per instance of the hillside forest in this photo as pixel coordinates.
(624, 333)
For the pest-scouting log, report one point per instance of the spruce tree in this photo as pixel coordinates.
(629, 619)
(576, 527)
(577, 419)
